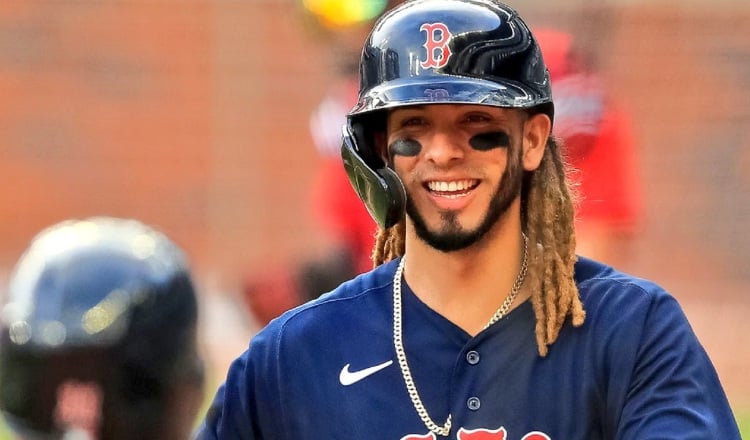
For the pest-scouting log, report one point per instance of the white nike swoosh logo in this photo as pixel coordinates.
(347, 377)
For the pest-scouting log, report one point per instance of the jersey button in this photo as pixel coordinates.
(473, 403)
(472, 357)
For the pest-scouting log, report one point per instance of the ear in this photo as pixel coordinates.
(536, 131)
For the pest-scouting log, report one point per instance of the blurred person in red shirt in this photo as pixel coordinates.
(333, 204)
(598, 141)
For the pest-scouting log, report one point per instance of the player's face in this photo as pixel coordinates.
(462, 166)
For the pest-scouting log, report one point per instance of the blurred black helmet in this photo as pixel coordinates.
(101, 318)
(431, 52)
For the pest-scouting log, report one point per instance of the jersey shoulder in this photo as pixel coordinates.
(596, 281)
(617, 301)
(365, 298)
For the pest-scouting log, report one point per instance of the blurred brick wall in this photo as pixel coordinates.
(189, 115)
(685, 76)
(105, 109)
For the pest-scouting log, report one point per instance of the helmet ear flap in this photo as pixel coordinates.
(377, 185)
(396, 197)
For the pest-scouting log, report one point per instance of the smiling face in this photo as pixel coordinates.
(462, 166)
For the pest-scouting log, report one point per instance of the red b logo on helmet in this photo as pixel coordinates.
(438, 52)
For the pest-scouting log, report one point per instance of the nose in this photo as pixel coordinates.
(443, 148)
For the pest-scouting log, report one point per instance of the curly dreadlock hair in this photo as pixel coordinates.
(547, 210)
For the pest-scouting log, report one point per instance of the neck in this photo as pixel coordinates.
(467, 286)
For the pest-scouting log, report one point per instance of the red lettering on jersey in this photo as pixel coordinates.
(482, 434)
(429, 436)
(438, 51)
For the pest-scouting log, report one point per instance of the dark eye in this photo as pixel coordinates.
(415, 121)
(477, 118)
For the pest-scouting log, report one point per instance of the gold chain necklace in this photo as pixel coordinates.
(399, 343)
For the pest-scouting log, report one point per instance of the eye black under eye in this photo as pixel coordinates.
(404, 147)
(490, 140)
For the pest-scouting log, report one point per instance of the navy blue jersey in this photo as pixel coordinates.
(328, 370)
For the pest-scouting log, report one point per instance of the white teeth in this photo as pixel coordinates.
(452, 186)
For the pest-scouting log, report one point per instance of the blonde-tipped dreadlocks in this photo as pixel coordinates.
(548, 220)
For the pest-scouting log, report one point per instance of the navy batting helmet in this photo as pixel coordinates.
(100, 322)
(432, 52)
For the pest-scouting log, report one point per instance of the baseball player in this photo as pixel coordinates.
(479, 321)
(99, 336)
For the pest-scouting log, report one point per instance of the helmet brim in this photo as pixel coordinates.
(452, 90)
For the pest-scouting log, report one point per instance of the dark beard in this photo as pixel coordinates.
(452, 237)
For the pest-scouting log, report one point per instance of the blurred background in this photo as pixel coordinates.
(210, 120)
